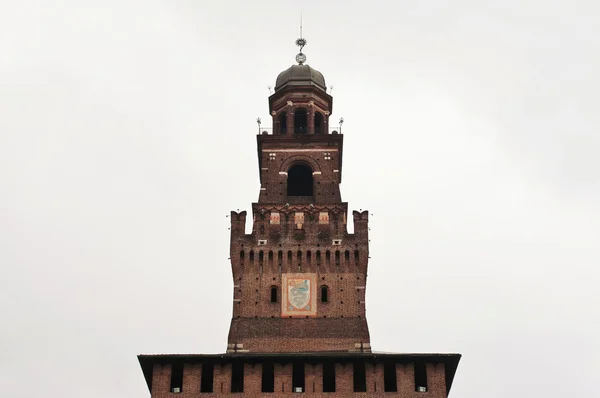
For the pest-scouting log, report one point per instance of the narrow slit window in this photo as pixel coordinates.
(176, 378)
(324, 294)
(206, 381)
(274, 294)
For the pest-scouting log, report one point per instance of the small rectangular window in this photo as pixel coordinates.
(237, 377)
(206, 382)
(420, 376)
(268, 377)
(360, 377)
(176, 378)
(298, 377)
(328, 377)
(389, 377)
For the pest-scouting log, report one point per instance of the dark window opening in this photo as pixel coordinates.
(355, 256)
(327, 258)
(176, 378)
(324, 294)
(308, 257)
(318, 123)
(389, 377)
(360, 377)
(298, 377)
(347, 256)
(300, 181)
(337, 256)
(299, 256)
(242, 257)
(237, 377)
(279, 257)
(328, 377)
(289, 257)
(273, 294)
(318, 257)
(270, 258)
(420, 377)
(251, 256)
(261, 257)
(300, 121)
(206, 382)
(283, 123)
(268, 377)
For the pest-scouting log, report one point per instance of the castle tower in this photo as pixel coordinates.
(299, 278)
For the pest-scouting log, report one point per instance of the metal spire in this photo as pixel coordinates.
(300, 42)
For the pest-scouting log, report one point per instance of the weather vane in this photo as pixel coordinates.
(300, 42)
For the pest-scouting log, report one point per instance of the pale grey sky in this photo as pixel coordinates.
(127, 134)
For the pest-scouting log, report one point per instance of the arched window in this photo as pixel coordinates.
(274, 294)
(300, 121)
(324, 294)
(283, 123)
(319, 123)
(241, 257)
(300, 181)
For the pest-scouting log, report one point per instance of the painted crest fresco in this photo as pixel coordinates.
(299, 295)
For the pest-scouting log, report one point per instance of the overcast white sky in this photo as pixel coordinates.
(127, 134)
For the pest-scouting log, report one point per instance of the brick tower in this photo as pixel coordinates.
(299, 278)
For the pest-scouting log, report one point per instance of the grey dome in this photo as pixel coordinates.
(300, 75)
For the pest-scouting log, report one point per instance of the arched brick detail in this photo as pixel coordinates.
(289, 162)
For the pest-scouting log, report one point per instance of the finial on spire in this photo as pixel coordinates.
(300, 42)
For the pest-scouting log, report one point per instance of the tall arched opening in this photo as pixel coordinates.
(300, 121)
(319, 123)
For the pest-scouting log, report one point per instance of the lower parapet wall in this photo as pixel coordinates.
(314, 374)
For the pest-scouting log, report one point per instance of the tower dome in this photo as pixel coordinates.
(300, 75)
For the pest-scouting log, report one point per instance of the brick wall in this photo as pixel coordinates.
(313, 381)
